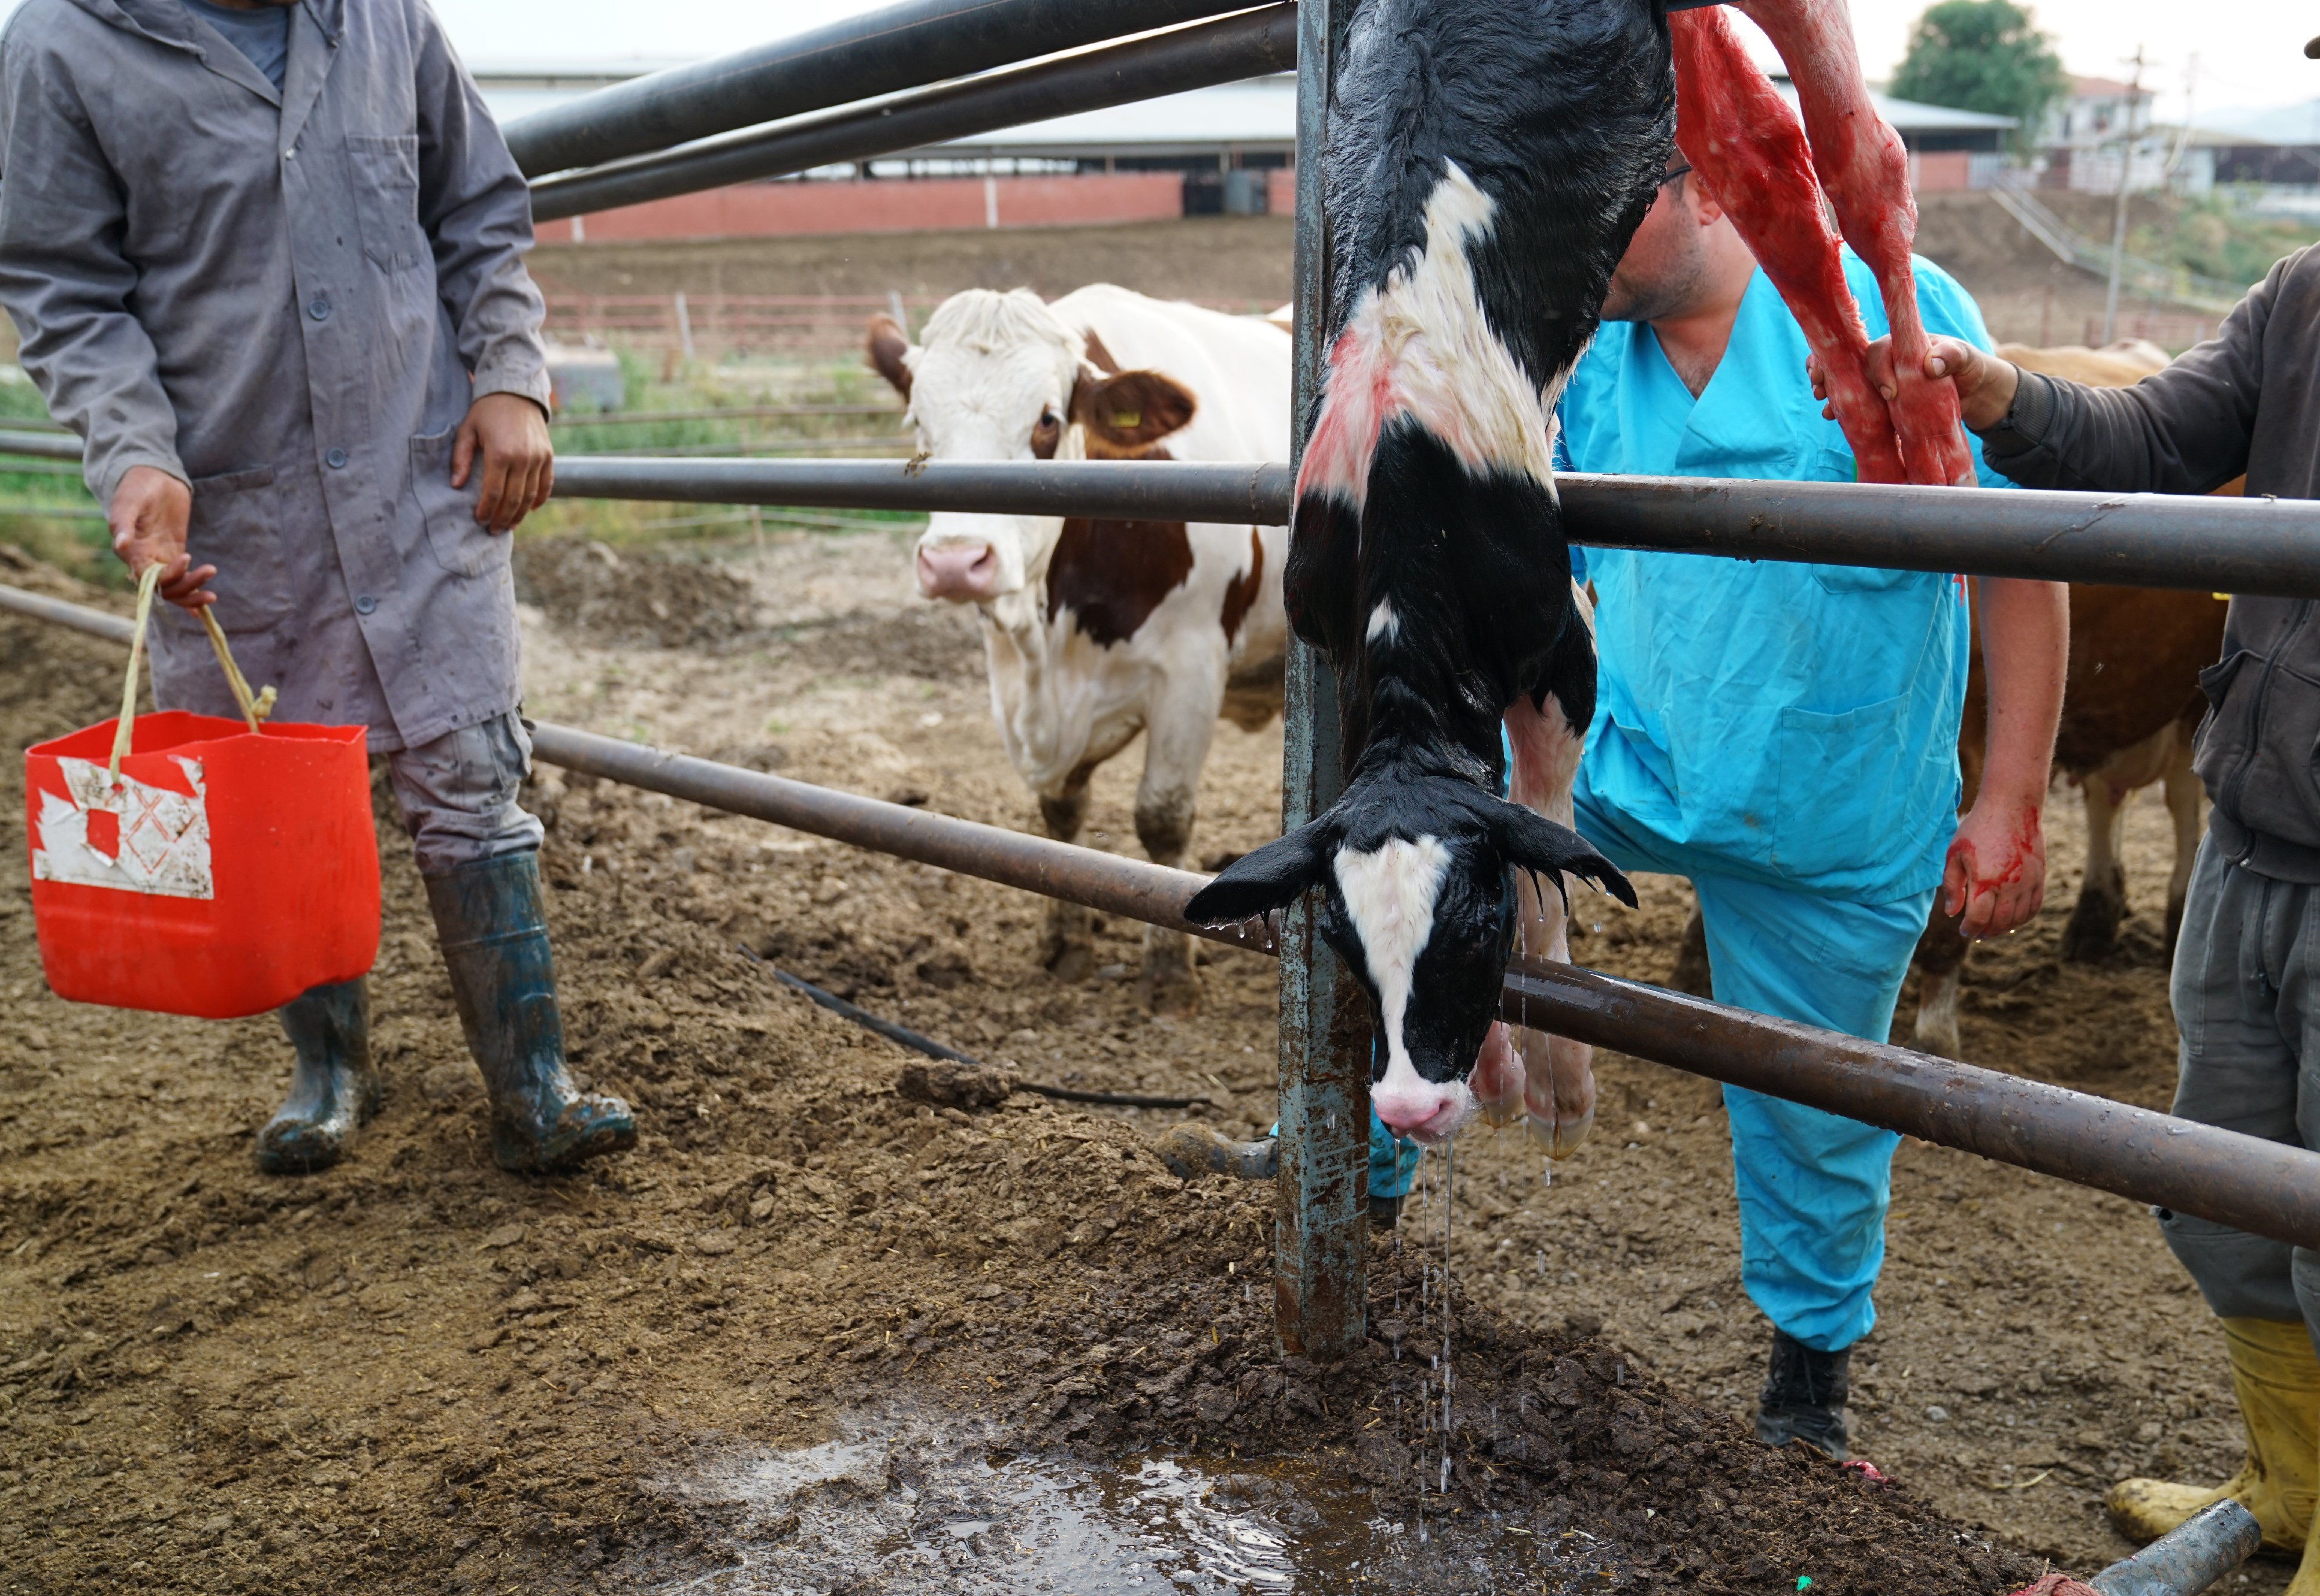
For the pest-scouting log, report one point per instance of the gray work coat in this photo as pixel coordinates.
(289, 301)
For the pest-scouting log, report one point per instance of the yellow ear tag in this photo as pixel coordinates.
(1126, 419)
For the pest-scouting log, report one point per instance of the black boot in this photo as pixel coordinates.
(332, 1087)
(495, 937)
(1803, 1399)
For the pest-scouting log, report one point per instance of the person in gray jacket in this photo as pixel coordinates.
(267, 258)
(2246, 981)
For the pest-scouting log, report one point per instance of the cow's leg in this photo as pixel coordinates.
(2093, 927)
(1558, 1075)
(1693, 973)
(2183, 806)
(1749, 154)
(1866, 172)
(1067, 943)
(1940, 963)
(1177, 745)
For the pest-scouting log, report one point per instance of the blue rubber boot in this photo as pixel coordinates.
(333, 1087)
(495, 934)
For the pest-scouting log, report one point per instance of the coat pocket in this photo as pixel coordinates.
(237, 526)
(386, 198)
(458, 542)
(1840, 776)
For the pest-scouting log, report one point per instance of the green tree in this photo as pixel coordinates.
(1982, 54)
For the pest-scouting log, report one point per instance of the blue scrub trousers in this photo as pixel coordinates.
(1813, 1187)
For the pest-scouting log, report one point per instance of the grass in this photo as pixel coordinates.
(2209, 234)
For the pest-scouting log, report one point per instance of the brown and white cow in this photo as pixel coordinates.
(1094, 631)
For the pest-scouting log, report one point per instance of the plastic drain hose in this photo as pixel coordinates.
(2188, 1559)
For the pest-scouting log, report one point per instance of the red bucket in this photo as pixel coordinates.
(225, 871)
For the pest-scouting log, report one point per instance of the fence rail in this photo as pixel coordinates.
(2263, 1187)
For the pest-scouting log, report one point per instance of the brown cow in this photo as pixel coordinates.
(2131, 703)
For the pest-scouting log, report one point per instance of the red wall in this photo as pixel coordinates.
(1935, 170)
(886, 205)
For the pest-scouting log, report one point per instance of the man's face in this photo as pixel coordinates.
(1665, 268)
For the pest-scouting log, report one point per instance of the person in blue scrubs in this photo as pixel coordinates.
(1786, 736)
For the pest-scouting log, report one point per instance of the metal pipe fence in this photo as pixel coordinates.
(2263, 1187)
(880, 53)
(1247, 46)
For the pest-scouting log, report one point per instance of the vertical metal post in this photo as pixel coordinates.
(1321, 1233)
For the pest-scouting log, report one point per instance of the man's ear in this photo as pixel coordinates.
(888, 351)
(1529, 840)
(1126, 413)
(1257, 883)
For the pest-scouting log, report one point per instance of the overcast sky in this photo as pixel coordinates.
(2249, 53)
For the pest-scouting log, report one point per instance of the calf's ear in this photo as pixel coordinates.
(888, 351)
(1257, 883)
(1128, 412)
(1529, 840)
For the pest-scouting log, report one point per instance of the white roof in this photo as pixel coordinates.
(2277, 124)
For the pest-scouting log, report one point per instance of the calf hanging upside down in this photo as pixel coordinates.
(1487, 164)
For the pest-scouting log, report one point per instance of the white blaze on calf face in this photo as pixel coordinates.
(1421, 345)
(1383, 623)
(1390, 896)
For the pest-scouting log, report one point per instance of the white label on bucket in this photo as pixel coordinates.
(163, 845)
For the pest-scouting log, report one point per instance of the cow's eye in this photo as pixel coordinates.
(1044, 435)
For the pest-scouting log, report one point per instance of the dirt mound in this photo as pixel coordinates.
(639, 599)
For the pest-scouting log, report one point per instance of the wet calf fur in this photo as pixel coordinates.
(1488, 163)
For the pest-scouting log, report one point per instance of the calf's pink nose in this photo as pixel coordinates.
(966, 571)
(1404, 1112)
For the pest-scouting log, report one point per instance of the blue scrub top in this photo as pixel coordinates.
(1785, 724)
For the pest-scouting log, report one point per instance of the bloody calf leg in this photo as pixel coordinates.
(1746, 146)
(1866, 174)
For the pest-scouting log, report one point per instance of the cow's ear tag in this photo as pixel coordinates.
(1127, 420)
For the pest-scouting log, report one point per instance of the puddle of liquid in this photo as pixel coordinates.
(918, 1508)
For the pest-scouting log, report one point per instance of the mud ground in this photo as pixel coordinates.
(417, 1372)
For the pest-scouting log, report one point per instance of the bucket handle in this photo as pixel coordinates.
(255, 706)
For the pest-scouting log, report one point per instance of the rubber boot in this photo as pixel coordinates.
(1803, 1399)
(2277, 1380)
(334, 1088)
(489, 918)
(1191, 1151)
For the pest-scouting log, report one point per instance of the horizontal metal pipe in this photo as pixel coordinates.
(880, 52)
(1170, 490)
(2189, 1558)
(1226, 51)
(2257, 546)
(48, 446)
(2262, 1187)
(1107, 883)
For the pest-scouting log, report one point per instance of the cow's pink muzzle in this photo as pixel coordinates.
(966, 572)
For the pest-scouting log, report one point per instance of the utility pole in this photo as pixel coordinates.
(2118, 218)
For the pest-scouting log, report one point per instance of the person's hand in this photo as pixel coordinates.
(1996, 872)
(1985, 384)
(511, 432)
(149, 513)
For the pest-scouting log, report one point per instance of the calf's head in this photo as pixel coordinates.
(1417, 880)
(999, 376)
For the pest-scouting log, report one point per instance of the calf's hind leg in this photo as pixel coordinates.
(1067, 943)
(1167, 804)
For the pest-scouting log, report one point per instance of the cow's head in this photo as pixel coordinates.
(1416, 879)
(999, 376)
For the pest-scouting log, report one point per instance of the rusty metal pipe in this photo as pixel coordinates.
(2262, 1187)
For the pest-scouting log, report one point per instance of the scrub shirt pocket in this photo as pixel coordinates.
(458, 542)
(386, 198)
(236, 525)
(1839, 773)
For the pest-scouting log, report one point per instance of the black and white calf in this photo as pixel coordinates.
(1488, 161)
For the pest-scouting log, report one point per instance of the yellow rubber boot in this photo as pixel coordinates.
(2277, 1381)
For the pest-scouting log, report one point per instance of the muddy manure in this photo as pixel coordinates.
(633, 598)
(958, 1085)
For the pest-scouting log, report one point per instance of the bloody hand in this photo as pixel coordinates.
(149, 515)
(1996, 872)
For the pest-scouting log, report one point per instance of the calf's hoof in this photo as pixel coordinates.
(2092, 930)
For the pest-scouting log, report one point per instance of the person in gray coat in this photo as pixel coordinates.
(2246, 982)
(265, 257)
